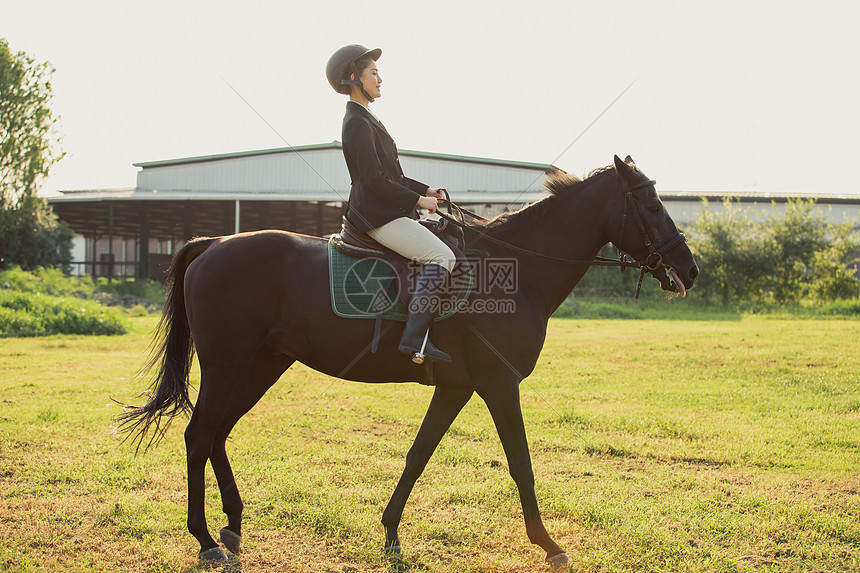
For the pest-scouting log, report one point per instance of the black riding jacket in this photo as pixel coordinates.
(380, 192)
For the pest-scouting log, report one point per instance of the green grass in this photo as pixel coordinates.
(628, 309)
(662, 306)
(686, 445)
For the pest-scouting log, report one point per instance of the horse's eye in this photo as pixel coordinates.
(653, 207)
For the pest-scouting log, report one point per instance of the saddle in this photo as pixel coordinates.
(360, 245)
(370, 281)
(353, 243)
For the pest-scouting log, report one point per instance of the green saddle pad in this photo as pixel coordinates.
(361, 288)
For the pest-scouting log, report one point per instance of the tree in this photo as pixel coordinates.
(30, 234)
(730, 250)
(794, 239)
(834, 268)
(787, 257)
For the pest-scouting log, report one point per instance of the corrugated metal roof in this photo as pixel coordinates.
(321, 168)
(318, 173)
(134, 194)
(338, 145)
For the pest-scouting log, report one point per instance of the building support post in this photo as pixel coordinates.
(238, 226)
(110, 241)
(143, 262)
(95, 252)
(293, 215)
(267, 215)
(187, 227)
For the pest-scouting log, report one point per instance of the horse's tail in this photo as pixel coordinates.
(172, 352)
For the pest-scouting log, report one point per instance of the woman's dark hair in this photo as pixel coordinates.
(361, 64)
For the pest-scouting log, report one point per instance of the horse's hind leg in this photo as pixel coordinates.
(264, 373)
(444, 407)
(216, 388)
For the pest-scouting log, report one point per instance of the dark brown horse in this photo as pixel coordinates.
(253, 304)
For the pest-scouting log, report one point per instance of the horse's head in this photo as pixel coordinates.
(644, 230)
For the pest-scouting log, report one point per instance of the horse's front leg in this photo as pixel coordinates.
(503, 402)
(444, 407)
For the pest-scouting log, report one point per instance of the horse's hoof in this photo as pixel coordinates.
(215, 555)
(559, 560)
(230, 540)
(391, 550)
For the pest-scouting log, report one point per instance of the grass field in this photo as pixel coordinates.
(710, 445)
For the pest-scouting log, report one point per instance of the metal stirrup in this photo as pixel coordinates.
(418, 357)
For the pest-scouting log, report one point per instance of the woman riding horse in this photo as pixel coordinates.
(383, 201)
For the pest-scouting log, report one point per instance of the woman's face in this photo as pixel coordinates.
(371, 80)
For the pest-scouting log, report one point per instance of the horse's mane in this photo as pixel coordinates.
(556, 183)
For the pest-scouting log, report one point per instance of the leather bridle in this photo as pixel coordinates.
(653, 262)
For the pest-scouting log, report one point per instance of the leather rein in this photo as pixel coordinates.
(653, 261)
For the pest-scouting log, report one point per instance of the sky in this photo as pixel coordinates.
(754, 96)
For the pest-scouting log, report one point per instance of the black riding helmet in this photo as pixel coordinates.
(342, 63)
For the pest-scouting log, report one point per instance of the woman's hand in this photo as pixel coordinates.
(435, 192)
(429, 203)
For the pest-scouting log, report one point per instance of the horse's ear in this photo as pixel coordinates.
(629, 161)
(622, 167)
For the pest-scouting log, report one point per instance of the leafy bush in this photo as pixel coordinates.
(831, 278)
(36, 314)
(842, 308)
(47, 280)
(53, 281)
(792, 262)
(144, 292)
(785, 259)
(729, 250)
(46, 301)
(792, 242)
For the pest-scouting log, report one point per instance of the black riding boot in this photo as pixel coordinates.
(422, 309)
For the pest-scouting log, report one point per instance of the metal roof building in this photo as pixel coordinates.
(133, 232)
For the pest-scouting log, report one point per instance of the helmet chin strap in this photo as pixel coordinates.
(367, 95)
(356, 82)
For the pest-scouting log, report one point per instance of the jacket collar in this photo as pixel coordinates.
(357, 107)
